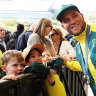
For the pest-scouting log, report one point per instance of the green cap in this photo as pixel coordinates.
(65, 8)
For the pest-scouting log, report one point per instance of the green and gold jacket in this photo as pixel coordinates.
(77, 65)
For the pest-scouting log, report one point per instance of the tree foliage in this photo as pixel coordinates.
(91, 19)
(11, 24)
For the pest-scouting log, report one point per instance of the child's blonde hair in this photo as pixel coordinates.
(8, 55)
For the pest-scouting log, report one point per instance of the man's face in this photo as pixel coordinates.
(2, 33)
(73, 22)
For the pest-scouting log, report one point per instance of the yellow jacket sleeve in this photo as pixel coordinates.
(74, 65)
(0, 58)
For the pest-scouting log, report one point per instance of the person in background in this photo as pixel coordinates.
(2, 37)
(46, 56)
(1, 71)
(73, 21)
(53, 81)
(13, 38)
(71, 40)
(33, 58)
(2, 47)
(7, 36)
(21, 43)
(12, 64)
(42, 29)
(20, 29)
(61, 45)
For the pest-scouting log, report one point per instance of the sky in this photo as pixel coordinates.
(43, 5)
(87, 7)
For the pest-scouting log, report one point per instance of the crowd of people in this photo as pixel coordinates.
(32, 52)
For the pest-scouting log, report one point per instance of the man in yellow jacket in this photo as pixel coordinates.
(73, 21)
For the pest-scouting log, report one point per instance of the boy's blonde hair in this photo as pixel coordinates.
(8, 55)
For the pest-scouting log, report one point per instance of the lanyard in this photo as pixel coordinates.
(59, 47)
(85, 62)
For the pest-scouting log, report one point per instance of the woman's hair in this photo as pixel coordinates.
(8, 55)
(40, 26)
(58, 32)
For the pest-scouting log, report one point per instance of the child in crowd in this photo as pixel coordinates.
(12, 64)
(58, 88)
(33, 58)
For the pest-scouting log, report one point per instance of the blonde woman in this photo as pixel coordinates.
(42, 29)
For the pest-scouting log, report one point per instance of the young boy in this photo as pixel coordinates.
(46, 56)
(33, 58)
(12, 64)
(53, 90)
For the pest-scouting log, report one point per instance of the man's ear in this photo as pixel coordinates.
(82, 15)
(4, 68)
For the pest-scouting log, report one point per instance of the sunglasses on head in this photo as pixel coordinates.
(51, 35)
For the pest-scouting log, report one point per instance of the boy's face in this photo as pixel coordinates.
(46, 56)
(35, 56)
(14, 67)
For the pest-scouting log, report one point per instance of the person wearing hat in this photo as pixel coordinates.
(33, 58)
(73, 21)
